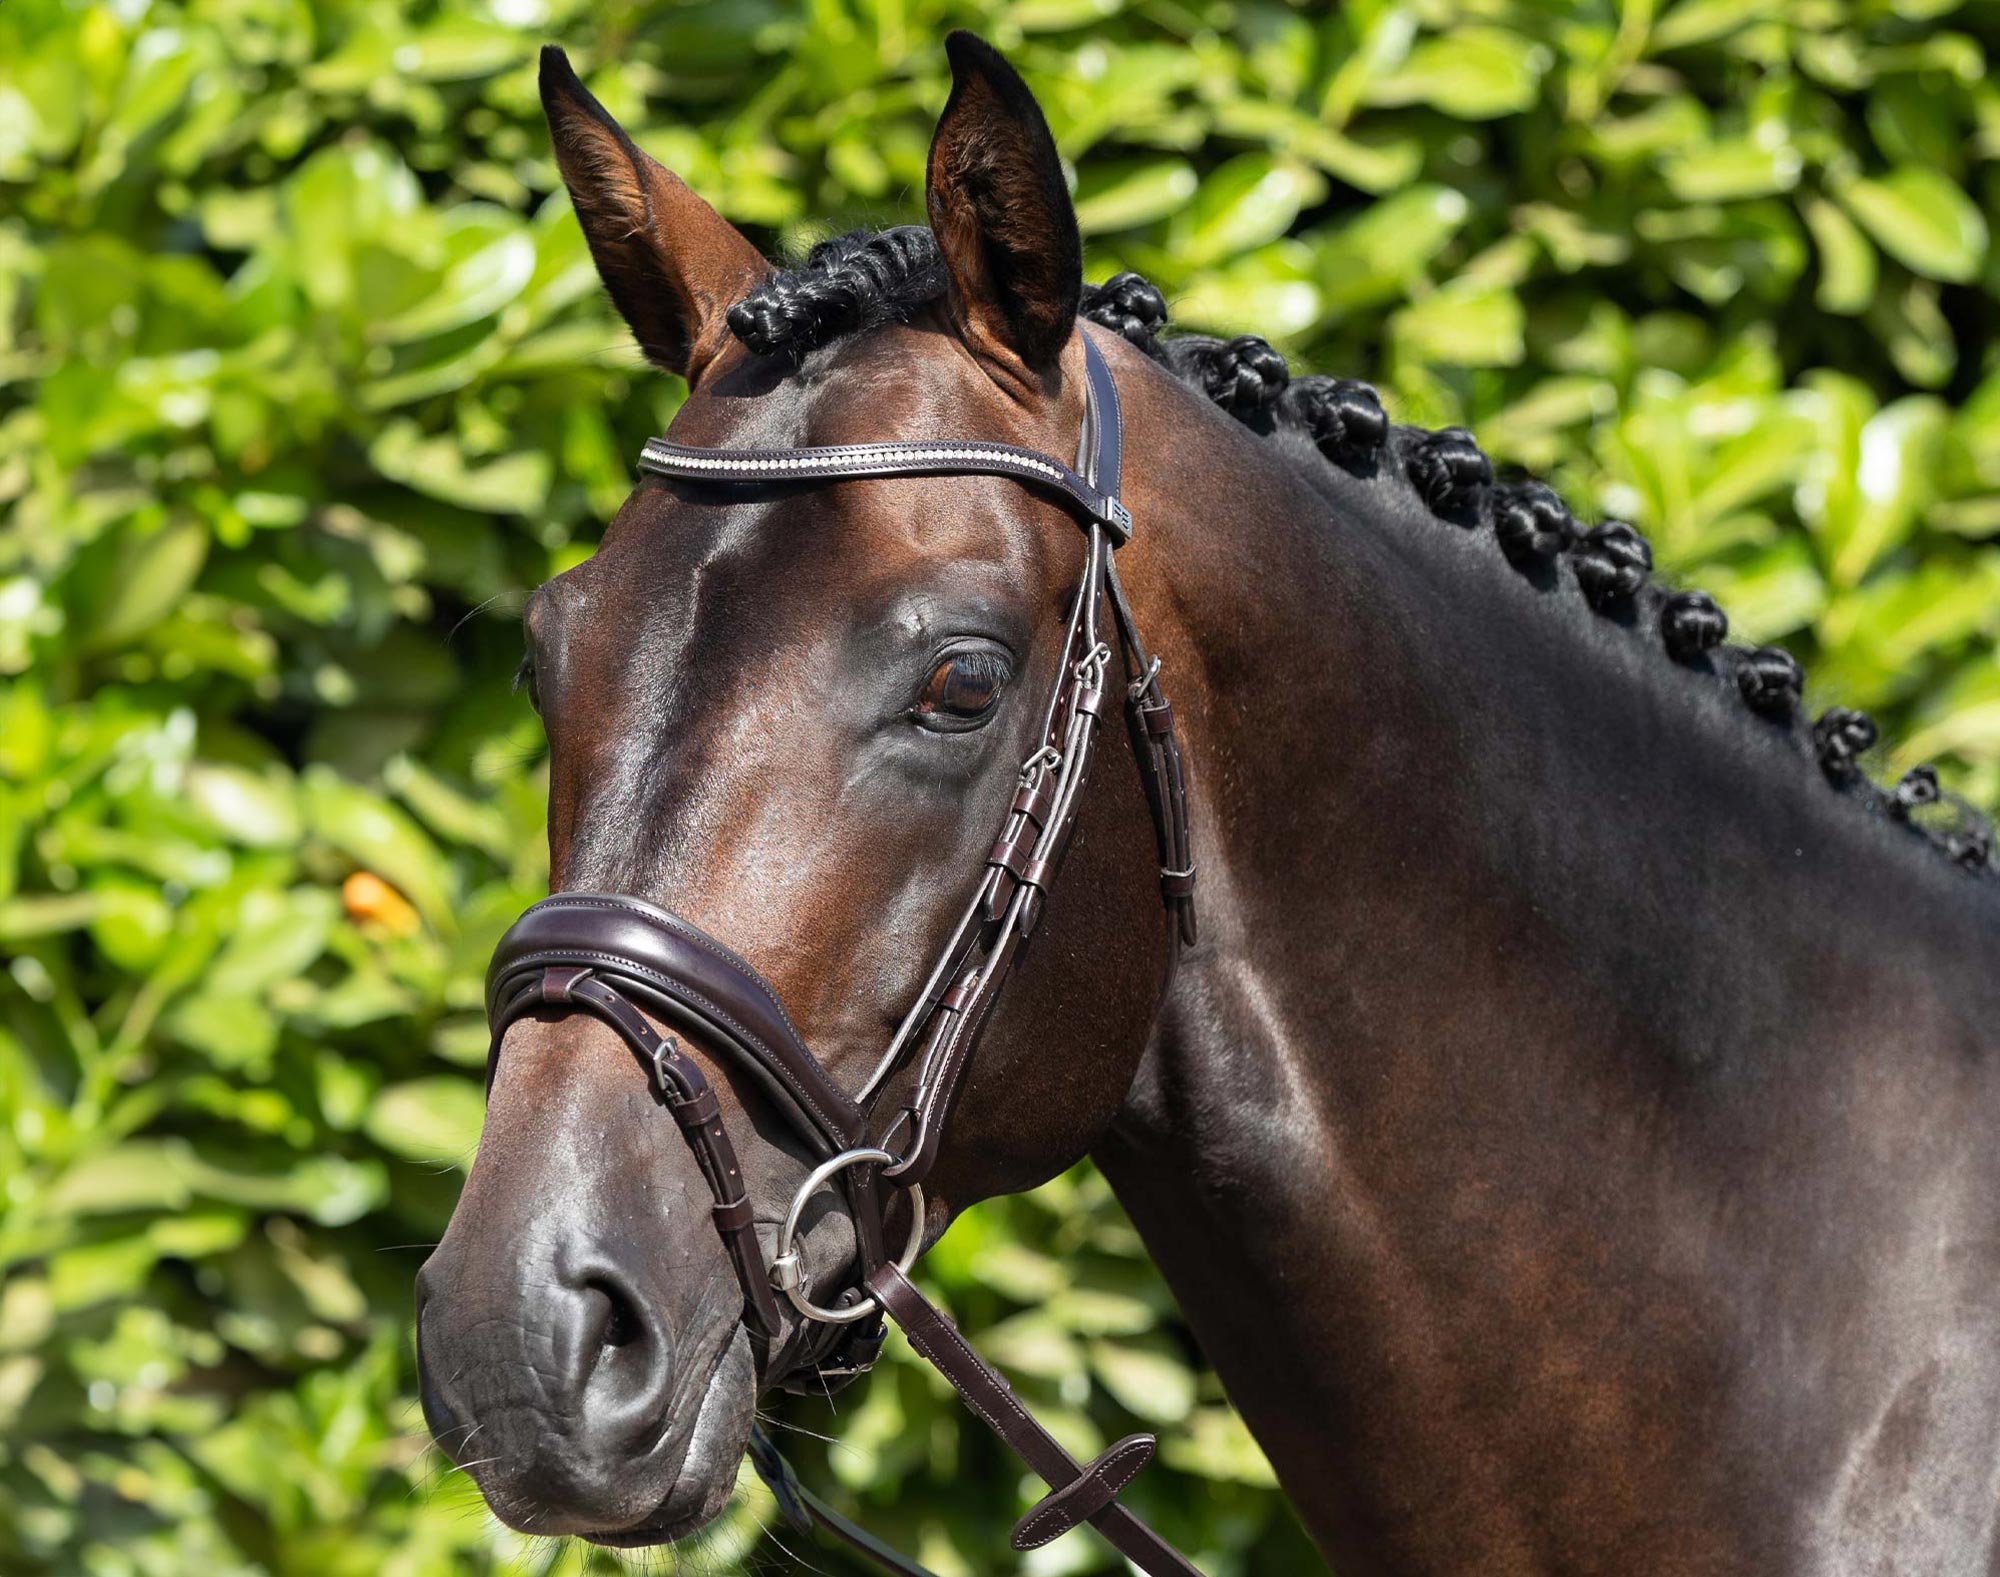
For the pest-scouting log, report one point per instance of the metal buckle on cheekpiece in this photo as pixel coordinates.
(788, 1275)
(1041, 761)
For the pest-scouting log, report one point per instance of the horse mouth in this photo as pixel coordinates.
(705, 1481)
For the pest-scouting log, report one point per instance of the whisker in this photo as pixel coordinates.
(473, 613)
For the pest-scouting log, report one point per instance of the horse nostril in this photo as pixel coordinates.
(621, 1323)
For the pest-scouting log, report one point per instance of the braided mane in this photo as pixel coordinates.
(864, 279)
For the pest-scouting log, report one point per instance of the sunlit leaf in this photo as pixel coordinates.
(1474, 73)
(1920, 218)
(428, 1120)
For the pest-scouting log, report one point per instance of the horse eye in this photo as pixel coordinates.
(962, 688)
(524, 679)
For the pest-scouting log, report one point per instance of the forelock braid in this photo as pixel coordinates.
(1771, 681)
(1531, 523)
(1971, 843)
(1841, 737)
(1611, 563)
(1691, 624)
(1919, 787)
(847, 283)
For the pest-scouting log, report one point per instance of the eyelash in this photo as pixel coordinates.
(982, 666)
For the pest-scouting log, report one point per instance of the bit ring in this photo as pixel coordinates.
(788, 1275)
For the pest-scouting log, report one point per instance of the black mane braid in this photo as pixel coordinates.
(863, 279)
(852, 282)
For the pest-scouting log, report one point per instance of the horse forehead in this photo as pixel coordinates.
(896, 382)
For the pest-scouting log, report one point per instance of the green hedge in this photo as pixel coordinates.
(304, 380)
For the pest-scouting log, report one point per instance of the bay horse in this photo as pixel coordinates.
(1572, 1136)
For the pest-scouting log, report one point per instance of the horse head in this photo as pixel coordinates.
(793, 716)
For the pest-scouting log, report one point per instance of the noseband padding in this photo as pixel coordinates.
(687, 978)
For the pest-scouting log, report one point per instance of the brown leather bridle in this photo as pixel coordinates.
(622, 959)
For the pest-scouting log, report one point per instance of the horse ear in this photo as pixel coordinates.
(1001, 213)
(672, 264)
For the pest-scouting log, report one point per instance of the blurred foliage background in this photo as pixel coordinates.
(305, 379)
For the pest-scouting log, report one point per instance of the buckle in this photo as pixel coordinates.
(1091, 666)
(1041, 761)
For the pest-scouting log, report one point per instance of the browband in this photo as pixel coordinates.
(844, 462)
(965, 457)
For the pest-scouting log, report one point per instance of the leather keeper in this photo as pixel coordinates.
(954, 1000)
(1036, 803)
(698, 1110)
(1011, 854)
(735, 1215)
(1158, 716)
(1084, 1496)
(1037, 873)
(1089, 701)
(560, 980)
(1178, 884)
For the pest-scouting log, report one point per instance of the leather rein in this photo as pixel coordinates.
(633, 965)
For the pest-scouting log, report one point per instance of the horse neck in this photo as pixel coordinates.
(1540, 999)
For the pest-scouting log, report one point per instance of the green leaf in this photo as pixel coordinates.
(1846, 261)
(235, 1032)
(1726, 171)
(1123, 197)
(1147, 1380)
(145, 580)
(1872, 474)
(1270, 292)
(1918, 336)
(1376, 256)
(277, 935)
(1922, 219)
(1212, 1443)
(380, 838)
(1477, 327)
(430, 1120)
(140, 1174)
(1248, 201)
(492, 261)
(256, 809)
(1772, 593)
(513, 484)
(1472, 73)
(130, 924)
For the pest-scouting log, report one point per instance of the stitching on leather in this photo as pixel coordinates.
(689, 932)
(1103, 1471)
(936, 1327)
(924, 1346)
(694, 998)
